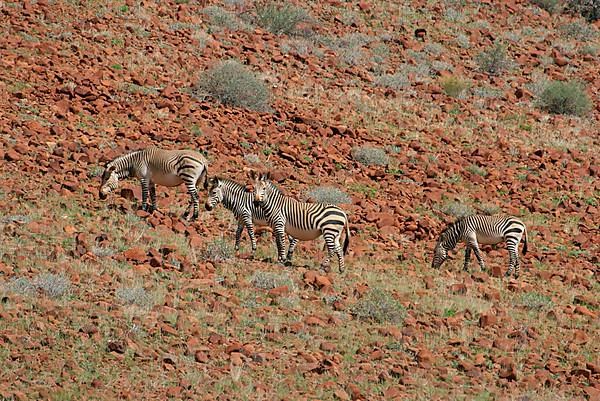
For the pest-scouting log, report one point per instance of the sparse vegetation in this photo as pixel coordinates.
(328, 194)
(457, 209)
(281, 18)
(552, 6)
(534, 300)
(252, 158)
(454, 86)
(561, 97)
(370, 156)
(379, 306)
(49, 284)
(478, 170)
(232, 83)
(218, 250)
(220, 19)
(494, 60)
(137, 296)
(588, 9)
(579, 30)
(395, 81)
(269, 280)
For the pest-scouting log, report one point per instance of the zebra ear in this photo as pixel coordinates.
(252, 175)
(266, 176)
(110, 169)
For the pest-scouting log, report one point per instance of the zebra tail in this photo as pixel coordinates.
(347, 239)
(525, 242)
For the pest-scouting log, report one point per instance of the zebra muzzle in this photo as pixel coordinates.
(102, 195)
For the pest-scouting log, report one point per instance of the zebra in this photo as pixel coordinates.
(240, 201)
(302, 221)
(158, 166)
(482, 229)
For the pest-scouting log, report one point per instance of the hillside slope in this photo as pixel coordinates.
(103, 301)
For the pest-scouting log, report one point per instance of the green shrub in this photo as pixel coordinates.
(579, 30)
(379, 306)
(326, 194)
(218, 250)
(220, 19)
(534, 300)
(588, 9)
(269, 280)
(397, 81)
(135, 296)
(561, 97)
(454, 87)
(494, 60)
(53, 285)
(232, 83)
(475, 169)
(281, 18)
(457, 209)
(551, 6)
(368, 156)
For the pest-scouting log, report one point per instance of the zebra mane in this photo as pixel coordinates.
(274, 187)
(232, 183)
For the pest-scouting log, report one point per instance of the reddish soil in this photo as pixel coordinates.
(83, 81)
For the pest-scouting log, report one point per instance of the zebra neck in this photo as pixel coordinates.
(124, 164)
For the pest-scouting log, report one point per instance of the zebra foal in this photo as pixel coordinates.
(482, 229)
(154, 166)
(302, 221)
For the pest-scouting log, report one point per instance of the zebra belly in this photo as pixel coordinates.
(486, 239)
(167, 180)
(302, 235)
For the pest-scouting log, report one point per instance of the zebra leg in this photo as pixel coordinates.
(477, 253)
(330, 243)
(152, 197)
(145, 193)
(467, 257)
(279, 232)
(194, 201)
(293, 242)
(340, 255)
(513, 260)
(247, 220)
(238, 234)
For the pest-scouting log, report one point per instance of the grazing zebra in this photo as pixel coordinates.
(482, 229)
(302, 221)
(154, 166)
(240, 201)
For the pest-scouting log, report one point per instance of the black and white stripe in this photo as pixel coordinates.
(154, 166)
(302, 221)
(482, 229)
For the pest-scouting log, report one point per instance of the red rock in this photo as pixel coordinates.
(458, 288)
(487, 319)
(12, 156)
(425, 358)
(582, 310)
(135, 254)
(201, 357)
(278, 291)
(323, 281)
(508, 370)
(341, 394)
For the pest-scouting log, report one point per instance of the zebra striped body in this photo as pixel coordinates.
(482, 229)
(302, 221)
(154, 166)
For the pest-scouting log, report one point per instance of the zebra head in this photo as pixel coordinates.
(262, 187)
(215, 193)
(443, 245)
(110, 181)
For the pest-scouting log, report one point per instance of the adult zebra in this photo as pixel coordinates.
(240, 202)
(482, 229)
(154, 166)
(301, 220)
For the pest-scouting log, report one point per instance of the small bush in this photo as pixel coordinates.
(454, 87)
(380, 307)
(395, 81)
(561, 97)
(21, 286)
(53, 285)
(494, 60)
(370, 156)
(218, 250)
(252, 158)
(232, 83)
(551, 6)
(269, 280)
(326, 194)
(579, 30)
(220, 19)
(137, 296)
(457, 209)
(534, 300)
(475, 169)
(281, 19)
(588, 9)
(488, 208)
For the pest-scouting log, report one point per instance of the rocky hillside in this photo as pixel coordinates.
(408, 113)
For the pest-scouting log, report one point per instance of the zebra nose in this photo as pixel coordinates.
(208, 207)
(256, 203)
(102, 195)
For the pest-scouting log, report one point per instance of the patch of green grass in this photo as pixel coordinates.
(494, 60)
(369, 192)
(475, 169)
(535, 300)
